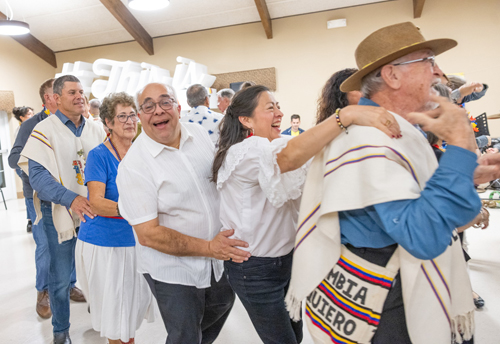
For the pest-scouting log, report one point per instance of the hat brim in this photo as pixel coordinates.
(438, 46)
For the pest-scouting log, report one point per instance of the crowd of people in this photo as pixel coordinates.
(357, 217)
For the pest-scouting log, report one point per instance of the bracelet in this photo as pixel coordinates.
(337, 117)
(118, 210)
(483, 218)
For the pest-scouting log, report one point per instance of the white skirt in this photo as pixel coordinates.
(119, 296)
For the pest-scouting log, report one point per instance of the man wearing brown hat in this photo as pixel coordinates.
(383, 214)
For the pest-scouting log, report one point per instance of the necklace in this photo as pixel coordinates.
(114, 148)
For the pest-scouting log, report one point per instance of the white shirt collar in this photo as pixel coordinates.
(155, 148)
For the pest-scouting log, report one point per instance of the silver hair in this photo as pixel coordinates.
(196, 95)
(373, 82)
(169, 88)
(226, 93)
(95, 103)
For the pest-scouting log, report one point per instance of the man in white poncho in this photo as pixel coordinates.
(368, 199)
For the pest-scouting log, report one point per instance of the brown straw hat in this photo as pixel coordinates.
(388, 44)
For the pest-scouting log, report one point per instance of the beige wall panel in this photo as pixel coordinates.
(305, 53)
(22, 72)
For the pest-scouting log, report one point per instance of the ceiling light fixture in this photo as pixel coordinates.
(148, 5)
(11, 27)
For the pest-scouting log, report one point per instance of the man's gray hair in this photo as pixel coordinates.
(59, 83)
(226, 93)
(95, 103)
(373, 82)
(196, 95)
(169, 88)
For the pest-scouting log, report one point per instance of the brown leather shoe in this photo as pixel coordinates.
(76, 295)
(43, 304)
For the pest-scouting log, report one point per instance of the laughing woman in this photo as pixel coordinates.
(118, 296)
(260, 177)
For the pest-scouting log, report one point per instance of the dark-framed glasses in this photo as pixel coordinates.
(124, 118)
(431, 59)
(166, 103)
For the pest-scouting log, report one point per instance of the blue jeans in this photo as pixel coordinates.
(42, 259)
(61, 270)
(261, 284)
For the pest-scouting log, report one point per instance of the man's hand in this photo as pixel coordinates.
(488, 169)
(448, 121)
(223, 248)
(81, 206)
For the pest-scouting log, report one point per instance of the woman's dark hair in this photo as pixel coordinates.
(21, 112)
(332, 98)
(232, 131)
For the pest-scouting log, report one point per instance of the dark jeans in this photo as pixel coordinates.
(193, 315)
(261, 284)
(61, 269)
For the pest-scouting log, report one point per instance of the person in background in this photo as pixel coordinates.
(118, 296)
(224, 97)
(198, 99)
(294, 129)
(22, 114)
(94, 108)
(246, 84)
(332, 98)
(56, 151)
(463, 91)
(42, 258)
(86, 110)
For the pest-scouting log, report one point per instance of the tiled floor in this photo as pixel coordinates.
(20, 324)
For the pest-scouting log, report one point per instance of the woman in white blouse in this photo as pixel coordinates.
(260, 176)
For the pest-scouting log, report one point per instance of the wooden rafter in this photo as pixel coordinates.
(31, 43)
(130, 23)
(265, 17)
(418, 6)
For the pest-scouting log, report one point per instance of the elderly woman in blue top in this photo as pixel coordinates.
(118, 296)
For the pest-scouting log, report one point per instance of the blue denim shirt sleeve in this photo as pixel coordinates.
(47, 187)
(423, 226)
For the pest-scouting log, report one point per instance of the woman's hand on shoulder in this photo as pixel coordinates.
(371, 116)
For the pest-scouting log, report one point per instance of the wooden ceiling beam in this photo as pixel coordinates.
(31, 43)
(418, 6)
(130, 23)
(265, 17)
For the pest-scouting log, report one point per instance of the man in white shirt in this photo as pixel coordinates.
(167, 196)
(198, 99)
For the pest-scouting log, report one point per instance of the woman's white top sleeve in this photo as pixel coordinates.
(257, 200)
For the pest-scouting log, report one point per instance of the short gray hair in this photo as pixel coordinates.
(95, 103)
(373, 82)
(196, 95)
(59, 83)
(169, 88)
(226, 93)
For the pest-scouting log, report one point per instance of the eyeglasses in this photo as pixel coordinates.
(124, 118)
(166, 103)
(432, 60)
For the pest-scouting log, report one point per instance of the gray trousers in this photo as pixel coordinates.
(193, 315)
